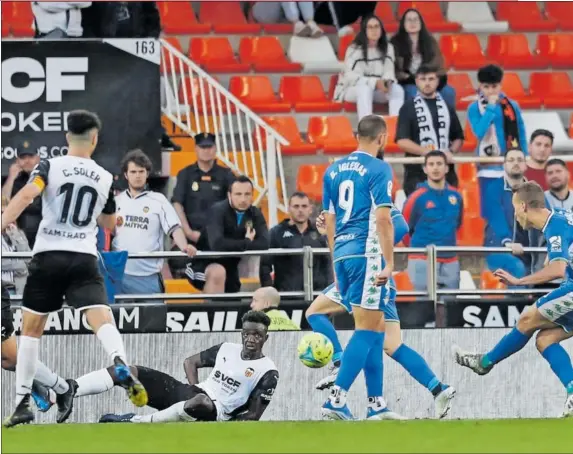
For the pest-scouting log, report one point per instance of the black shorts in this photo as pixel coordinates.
(163, 390)
(57, 274)
(195, 273)
(7, 320)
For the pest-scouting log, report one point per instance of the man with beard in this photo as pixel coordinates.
(557, 175)
(434, 214)
(540, 148)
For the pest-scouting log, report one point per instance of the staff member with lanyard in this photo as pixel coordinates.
(143, 219)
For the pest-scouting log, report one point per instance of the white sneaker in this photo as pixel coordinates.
(328, 381)
(386, 415)
(301, 29)
(443, 402)
(568, 412)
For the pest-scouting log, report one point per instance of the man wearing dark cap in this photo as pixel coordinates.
(18, 176)
(199, 186)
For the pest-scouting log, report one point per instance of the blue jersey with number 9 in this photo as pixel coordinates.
(353, 188)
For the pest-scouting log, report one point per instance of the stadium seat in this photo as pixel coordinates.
(465, 91)
(166, 61)
(471, 232)
(287, 127)
(306, 93)
(467, 173)
(190, 89)
(571, 126)
(216, 55)
(553, 88)
(258, 94)
(385, 12)
(22, 18)
(344, 43)
(432, 14)
(5, 29)
(309, 180)
(511, 51)
(470, 140)
(557, 48)
(471, 198)
(462, 51)
(524, 17)
(266, 54)
(180, 286)
(391, 125)
(475, 17)
(513, 88)
(332, 134)
(226, 17)
(178, 18)
(489, 282)
(560, 12)
(403, 284)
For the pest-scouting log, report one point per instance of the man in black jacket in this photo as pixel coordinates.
(234, 225)
(295, 233)
(121, 20)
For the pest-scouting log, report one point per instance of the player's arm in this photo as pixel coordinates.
(328, 214)
(107, 219)
(557, 257)
(192, 364)
(25, 196)
(260, 398)
(380, 183)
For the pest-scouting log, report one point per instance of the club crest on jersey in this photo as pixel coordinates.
(146, 209)
(453, 200)
(249, 372)
(119, 221)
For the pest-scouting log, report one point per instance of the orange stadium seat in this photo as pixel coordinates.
(489, 282)
(385, 12)
(258, 94)
(524, 17)
(471, 233)
(571, 126)
(465, 91)
(215, 54)
(462, 51)
(391, 126)
(178, 18)
(190, 89)
(266, 54)
(512, 52)
(467, 173)
(557, 48)
(333, 134)
(5, 29)
(306, 93)
(22, 18)
(432, 14)
(287, 127)
(309, 180)
(470, 140)
(166, 65)
(560, 12)
(226, 17)
(344, 43)
(513, 88)
(403, 284)
(471, 198)
(554, 89)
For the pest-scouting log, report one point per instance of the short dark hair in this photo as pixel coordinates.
(371, 126)
(513, 149)
(257, 317)
(490, 74)
(426, 69)
(81, 121)
(138, 157)
(541, 132)
(555, 162)
(531, 194)
(240, 179)
(298, 195)
(435, 153)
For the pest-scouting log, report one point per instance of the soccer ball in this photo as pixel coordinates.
(315, 350)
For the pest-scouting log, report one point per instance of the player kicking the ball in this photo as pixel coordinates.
(552, 314)
(239, 388)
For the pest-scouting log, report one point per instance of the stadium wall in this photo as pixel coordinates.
(521, 387)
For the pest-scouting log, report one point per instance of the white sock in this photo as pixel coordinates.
(112, 342)
(48, 378)
(172, 414)
(27, 361)
(95, 382)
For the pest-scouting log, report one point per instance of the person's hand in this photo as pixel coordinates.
(190, 250)
(382, 277)
(381, 86)
(250, 235)
(516, 248)
(493, 99)
(449, 156)
(505, 277)
(321, 224)
(15, 169)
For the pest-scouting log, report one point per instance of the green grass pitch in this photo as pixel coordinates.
(525, 435)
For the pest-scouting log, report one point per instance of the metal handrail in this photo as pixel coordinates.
(463, 159)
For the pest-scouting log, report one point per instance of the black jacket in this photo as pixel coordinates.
(100, 20)
(29, 220)
(289, 268)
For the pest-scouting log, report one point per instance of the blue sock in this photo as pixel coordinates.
(320, 323)
(417, 367)
(560, 363)
(374, 369)
(509, 344)
(354, 357)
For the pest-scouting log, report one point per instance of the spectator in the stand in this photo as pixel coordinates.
(428, 123)
(300, 14)
(368, 75)
(558, 195)
(434, 213)
(14, 271)
(267, 299)
(295, 233)
(415, 46)
(540, 149)
(121, 20)
(56, 20)
(235, 225)
(501, 227)
(18, 175)
(144, 217)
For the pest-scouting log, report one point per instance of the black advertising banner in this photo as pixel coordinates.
(480, 313)
(42, 81)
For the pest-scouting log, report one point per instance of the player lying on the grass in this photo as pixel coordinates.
(239, 387)
(329, 302)
(552, 314)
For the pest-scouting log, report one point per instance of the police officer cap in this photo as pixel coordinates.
(205, 140)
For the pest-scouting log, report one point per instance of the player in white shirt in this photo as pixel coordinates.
(143, 219)
(76, 196)
(239, 387)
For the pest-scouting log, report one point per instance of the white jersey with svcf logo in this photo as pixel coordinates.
(75, 192)
(233, 379)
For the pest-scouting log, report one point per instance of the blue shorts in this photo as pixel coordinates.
(557, 306)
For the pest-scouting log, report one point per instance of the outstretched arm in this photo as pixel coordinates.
(192, 364)
(260, 398)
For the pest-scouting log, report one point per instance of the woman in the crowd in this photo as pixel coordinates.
(415, 46)
(368, 75)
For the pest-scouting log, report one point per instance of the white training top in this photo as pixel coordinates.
(75, 192)
(233, 379)
(142, 223)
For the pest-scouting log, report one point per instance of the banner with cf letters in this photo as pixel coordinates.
(42, 81)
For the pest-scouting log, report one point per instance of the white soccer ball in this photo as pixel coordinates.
(315, 350)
